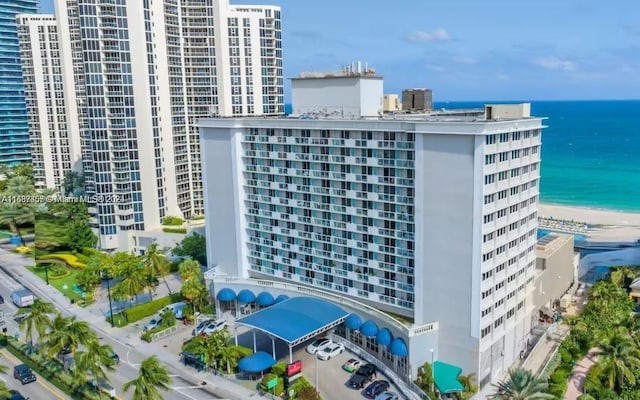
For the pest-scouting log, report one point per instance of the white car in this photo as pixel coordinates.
(330, 351)
(318, 344)
(387, 396)
(212, 326)
(154, 323)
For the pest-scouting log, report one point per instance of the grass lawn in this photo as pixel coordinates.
(68, 280)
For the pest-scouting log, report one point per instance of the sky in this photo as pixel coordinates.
(468, 49)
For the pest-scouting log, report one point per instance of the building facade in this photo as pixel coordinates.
(14, 129)
(431, 217)
(391, 103)
(53, 127)
(144, 73)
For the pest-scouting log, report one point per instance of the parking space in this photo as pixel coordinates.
(332, 379)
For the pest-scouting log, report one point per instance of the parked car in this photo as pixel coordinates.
(196, 331)
(330, 351)
(387, 396)
(212, 326)
(24, 374)
(317, 345)
(352, 365)
(363, 375)
(115, 357)
(177, 308)
(15, 395)
(376, 388)
(154, 323)
(1, 299)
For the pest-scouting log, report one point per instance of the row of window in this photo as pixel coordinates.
(514, 136)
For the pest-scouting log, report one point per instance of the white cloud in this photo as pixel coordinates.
(437, 68)
(554, 63)
(465, 60)
(438, 35)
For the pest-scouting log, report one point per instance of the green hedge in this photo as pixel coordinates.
(52, 371)
(136, 313)
(174, 230)
(172, 221)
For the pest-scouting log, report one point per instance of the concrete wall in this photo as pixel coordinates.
(493, 111)
(444, 253)
(222, 199)
(557, 271)
(391, 102)
(348, 96)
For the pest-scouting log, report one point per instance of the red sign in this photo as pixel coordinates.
(294, 368)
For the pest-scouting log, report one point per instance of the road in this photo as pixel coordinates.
(183, 387)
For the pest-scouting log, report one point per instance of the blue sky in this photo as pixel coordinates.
(471, 50)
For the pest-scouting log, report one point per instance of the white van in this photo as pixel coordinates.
(177, 308)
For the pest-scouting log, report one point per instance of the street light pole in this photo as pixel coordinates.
(433, 371)
(46, 272)
(108, 278)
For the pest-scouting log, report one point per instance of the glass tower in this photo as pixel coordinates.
(14, 129)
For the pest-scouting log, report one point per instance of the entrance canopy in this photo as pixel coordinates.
(296, 320)
(446, 377)
(256, 362)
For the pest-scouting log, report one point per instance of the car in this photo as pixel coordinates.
(363, 375)
(154, 323)
(24, 374)
(352, 365)
(317, 345)
(330, 351)
(196, 331)
(15, 395)
(376, 388)
(21, 316)
(1, 299)
(210, 327)
(115, 357)
(177, 308)
(387, 396)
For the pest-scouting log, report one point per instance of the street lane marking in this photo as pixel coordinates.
(40, 382)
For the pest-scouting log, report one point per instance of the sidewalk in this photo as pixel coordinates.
(579, 374)
(14, 265)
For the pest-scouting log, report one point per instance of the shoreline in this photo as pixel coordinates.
(604, 225)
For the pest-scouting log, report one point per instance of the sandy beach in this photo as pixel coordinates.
(604, 225)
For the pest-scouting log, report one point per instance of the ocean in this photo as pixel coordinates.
(590, 152)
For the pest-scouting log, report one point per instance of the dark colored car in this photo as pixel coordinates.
(375, 389)
(1, 299)
(24, 374)
(115, 357)
(362, 376)
(20, 317)
(15, 395)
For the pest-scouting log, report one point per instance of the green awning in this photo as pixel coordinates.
(446, 377)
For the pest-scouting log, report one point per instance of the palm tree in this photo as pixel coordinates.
(194, 291)
(619, 358)
(189, 269)
(228, 355)
(67, 334)
(521, 385)
(622, 276)
(470, 388)
(132, 276)
(4, 391)
(208, 348)
(151, 377)
(36, 320)
(156, 263)
(603, 291)
(15, 215)
(20, 186)
(95, 360)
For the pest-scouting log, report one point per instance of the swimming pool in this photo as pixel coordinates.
(576, 236)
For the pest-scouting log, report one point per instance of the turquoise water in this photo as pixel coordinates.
(577, 237)
(590, 152)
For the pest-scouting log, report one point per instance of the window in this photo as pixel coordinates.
(488, 179)
(491, 139)
(485, 331)
(504, 137)
(489, 159)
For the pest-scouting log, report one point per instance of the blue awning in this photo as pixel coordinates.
(246, 296)
(256, 362)
(281, 298)
(353, 321)
(369, 329)
(226, 294)
(384, 337)
(398, 348)
(264, 299)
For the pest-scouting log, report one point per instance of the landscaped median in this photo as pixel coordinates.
(140, 311)
(51, 370)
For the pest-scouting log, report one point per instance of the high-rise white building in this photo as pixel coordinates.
(144, 73)
(431, 217)
(53, 123)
